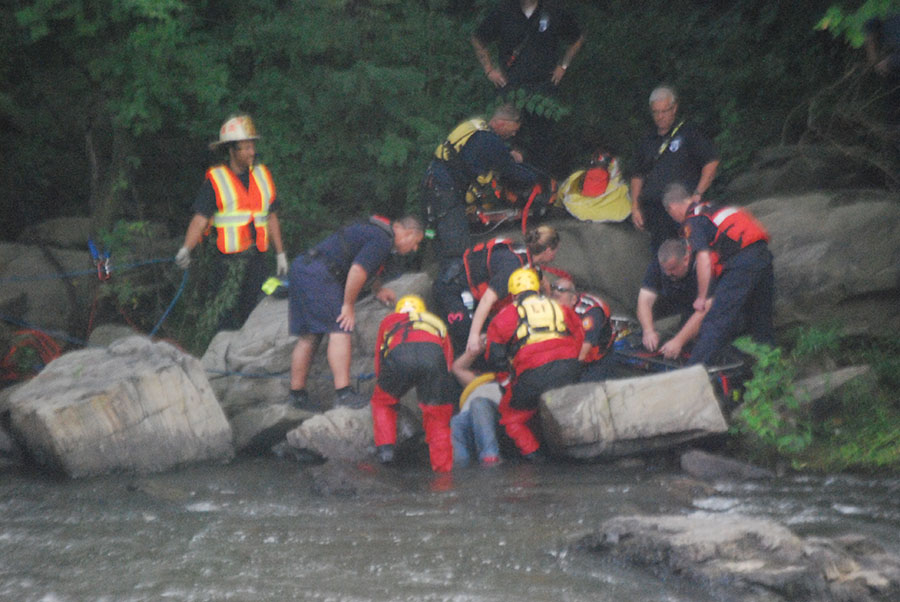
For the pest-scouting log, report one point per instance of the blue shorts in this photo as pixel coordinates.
(314, 298)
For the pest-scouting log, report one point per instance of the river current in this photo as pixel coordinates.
(256, 530)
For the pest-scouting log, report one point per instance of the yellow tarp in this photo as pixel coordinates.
(614, 205)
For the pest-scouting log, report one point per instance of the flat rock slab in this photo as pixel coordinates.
(742, 558)
(709, 467)
(631, 415)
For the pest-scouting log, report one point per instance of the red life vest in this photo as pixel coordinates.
(480, 255)
(241, 209)
(736, 229)
(584, 304)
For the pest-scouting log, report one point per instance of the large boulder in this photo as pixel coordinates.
(743, 558)
(61, 232)
(837, 257)
(45, 288)
(631, 415)
(788, 170)
(249, 368)
(133, 406)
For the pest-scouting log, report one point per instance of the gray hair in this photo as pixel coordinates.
(675, 193)
(411, 222)
(663, 93)
(508, 112)
(672, 248)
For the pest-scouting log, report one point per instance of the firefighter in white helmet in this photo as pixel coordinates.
(237, 201)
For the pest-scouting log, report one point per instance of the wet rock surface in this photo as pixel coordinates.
(743, 558)
(133, 406)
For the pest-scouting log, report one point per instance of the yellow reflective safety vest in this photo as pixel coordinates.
(540, 319)
(241, 209)
(449, 151)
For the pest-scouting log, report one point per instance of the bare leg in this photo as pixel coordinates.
(301, 358)
(339, 348)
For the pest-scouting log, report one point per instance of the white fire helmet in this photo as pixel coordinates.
(235, 129)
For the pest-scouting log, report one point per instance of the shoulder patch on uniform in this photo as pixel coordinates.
(587, 323)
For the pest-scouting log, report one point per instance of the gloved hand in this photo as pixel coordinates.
(183, 258)
(281, 264)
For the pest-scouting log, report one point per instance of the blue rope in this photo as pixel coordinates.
(171, 304)
(93, 272)
(80, 342)
(283, 375)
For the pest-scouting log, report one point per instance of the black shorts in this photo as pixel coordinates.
(420, 365)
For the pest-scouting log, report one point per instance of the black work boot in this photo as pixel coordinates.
(385, 453)
(302, 401)
(349, 398)
(537, 457)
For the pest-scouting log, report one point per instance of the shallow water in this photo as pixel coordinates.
(255, 530)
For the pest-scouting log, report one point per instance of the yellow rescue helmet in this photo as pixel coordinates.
(523, 279)
(235, 129)
(410, 303)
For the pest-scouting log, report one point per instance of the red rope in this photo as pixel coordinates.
(46, 348)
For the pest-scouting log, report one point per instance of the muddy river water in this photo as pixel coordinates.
(256, 530)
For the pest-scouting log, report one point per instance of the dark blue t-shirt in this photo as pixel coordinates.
(503, 263)
(682, 161)
(535, 39)
(677, 296)
(700, 232)
(362, 243)
(484, 151)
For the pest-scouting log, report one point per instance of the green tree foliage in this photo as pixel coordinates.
(95, 81)
(848, 24)
(855, 428)
(111, 103)
(352, 95)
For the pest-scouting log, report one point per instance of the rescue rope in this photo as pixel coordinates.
(91, 272)
(171, 304)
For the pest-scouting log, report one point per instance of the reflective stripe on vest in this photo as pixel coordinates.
(739, 226)
(238, 207)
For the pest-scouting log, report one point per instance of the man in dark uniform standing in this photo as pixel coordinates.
(674, 152)
(324, 285)
(733, 245)
(529, 34)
